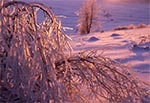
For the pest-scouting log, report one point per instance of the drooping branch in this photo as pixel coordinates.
(35, 65)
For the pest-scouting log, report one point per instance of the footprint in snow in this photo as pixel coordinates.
(93, 39)
(114, 35)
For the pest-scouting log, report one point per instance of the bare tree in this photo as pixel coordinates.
(88, 17)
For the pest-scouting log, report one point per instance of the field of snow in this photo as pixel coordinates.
(118, 45)
(121, 12)
(114, 44)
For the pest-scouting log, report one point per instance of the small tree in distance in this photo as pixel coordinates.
(88, 17)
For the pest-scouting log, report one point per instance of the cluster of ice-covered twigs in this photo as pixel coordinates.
(97, 79)
(36, 65)
(143, 43)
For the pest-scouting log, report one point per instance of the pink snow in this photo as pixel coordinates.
(118, 45)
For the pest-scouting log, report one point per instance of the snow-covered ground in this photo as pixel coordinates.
(119, 45)
(114, 44)
(118, 13)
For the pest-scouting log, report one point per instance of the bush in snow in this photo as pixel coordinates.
(142, 44)
(36, 65)
(131, 26)
(88, 17)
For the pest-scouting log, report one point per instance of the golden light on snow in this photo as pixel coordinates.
(112, 0)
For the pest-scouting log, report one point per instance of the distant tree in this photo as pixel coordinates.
(88, 17)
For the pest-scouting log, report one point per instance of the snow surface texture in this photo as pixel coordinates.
(124, 46)
(113, 14)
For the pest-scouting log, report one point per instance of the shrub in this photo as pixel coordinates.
(35, 65)
(142, 26)
(131, 26)
(88, 17)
